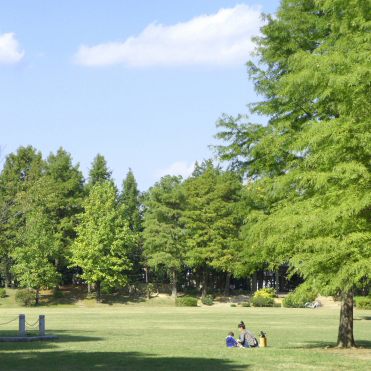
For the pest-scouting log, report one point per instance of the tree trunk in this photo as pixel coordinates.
(197, 281)
(89, 288)
(227, 283)
(174, 293)
(345, 334)
(147, 283)
(37, 296)
(260, 279)
(204, 283)
(97, 286)
(254, 282)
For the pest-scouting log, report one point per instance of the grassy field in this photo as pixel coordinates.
(152, 335)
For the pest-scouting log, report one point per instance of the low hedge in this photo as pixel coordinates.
(25, 298)
(208, 300)
(363, 303)
(2, 293)
(261, 301)
(186, 301)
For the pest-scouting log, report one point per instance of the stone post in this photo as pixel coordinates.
(42, 325)
(22, 325)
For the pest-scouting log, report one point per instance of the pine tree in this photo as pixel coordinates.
(99, 170)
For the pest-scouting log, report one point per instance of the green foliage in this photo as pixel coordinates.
(233, 305)
(35, 252)
(277, 305)
(103, 238)
(25, 298)
(208, 300)
(186, 301)
(261, 301)
(99, 171)
(246, 304)
(297, 299)
(266, 292)
(2, 293)
(364, 303)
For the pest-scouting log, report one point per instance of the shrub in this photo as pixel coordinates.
(207, 301)
(25, 298)
(186, 301)
(233, 305)
(267, 292)
(58, 294)
(297, 299)
(277, 305)
(261, 301)
(364, 303)
(2, 293)
(246, 304)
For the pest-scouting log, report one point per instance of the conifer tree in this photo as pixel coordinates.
(211, 219)
(311, 162)
(163, 232)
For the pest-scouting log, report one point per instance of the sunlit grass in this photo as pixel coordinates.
(139, 336)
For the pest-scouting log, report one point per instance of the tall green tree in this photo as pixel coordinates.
(20, 173)
(36, 249)
(99, 170)
(311, 162)
(211, 219)
(103, 239)
(66, 182)
(163, 231)
(130, 200)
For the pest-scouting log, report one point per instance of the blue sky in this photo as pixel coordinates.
(140, 82)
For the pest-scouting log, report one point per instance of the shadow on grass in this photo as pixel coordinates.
(323, 344)
(87, 361)
(64, 337)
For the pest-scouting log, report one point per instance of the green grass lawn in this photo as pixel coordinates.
(141, 336)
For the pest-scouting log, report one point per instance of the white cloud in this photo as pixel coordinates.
(177, 168)
(10, 52)
(217, 39)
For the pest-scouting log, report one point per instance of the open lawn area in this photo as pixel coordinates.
(145, 337)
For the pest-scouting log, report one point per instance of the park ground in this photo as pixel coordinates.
(138, 335)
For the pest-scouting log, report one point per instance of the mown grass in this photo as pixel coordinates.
(138, 336)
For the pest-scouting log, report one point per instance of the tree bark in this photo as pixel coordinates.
(345, 334)
(254, 282)
(227, 283)
(89, 288)
(97, 286)
(197, 281)
(204, 283)
(37, 299)
(174, 293)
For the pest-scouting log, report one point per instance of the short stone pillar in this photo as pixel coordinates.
(22, 325)
(42, 325)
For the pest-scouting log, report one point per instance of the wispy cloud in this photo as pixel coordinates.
(177, 168)
(10, 52)
(217, 39)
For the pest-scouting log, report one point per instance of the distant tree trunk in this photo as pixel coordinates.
(89, 288)
(97, 286)
(147, 283)
(345, 334)
(260, 279)
(204, 283)
(254, 282)
(227, 283)
(37, 299)
(197, 281)
(174, 293)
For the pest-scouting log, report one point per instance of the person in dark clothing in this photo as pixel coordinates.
(246, 338)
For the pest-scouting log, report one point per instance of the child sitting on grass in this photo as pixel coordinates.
(229, 340)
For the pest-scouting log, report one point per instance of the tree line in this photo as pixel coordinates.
(305, 196)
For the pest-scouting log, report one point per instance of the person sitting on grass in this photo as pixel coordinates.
(229, 340)
(246, 338)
